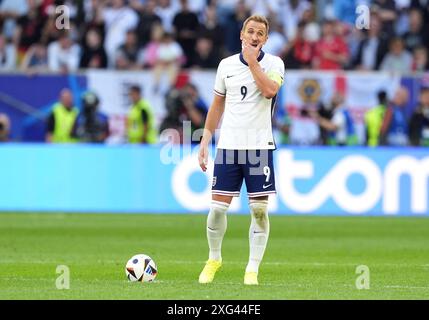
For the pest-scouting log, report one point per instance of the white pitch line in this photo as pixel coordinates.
(405, 287)
(321, 264)
(272, 263)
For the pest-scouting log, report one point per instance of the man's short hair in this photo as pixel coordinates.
(136, 88)
(382, 96)
(424, 88)
(257, 18)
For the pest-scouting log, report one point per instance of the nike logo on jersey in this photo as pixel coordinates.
(265, 187)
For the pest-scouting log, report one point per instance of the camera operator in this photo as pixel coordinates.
(91, 125)
(4, 127)
(184, 104)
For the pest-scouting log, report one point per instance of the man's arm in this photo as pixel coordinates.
(327, 124)
(212, 121)
(50, 126)
(323, 122)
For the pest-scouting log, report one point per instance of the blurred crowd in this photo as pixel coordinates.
(67, 35)
(168, 36)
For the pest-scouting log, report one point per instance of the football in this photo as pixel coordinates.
(141, 268)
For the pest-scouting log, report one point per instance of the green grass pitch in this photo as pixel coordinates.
(308, 257)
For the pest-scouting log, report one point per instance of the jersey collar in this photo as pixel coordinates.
(261, 55)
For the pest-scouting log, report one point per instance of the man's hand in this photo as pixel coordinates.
(203, 156)
(250, 53)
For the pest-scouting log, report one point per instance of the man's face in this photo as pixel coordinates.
(134, 96)
(424, 98)
(67, 99)
(400, 98)
(397, 47)
(254, 33)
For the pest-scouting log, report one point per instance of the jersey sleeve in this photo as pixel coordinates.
(277, 71)
(219, 87)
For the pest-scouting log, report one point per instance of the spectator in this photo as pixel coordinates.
(372, 47)
(331, 51)
(90, 16)
(276, 42)
(299, 53)
(394, 129)
(340, 126)
(147, 19)
(86, 13)
(374, 119)
(164, 56)
(35, 59)
(4, 127)
(185, 25)
(416, 35)
(7, 55)
(312, 26)
(206, 56)
(397, 59)
(233, 27)
(419, 122)
(140, 121)
(166, 10)
(210, 28)
(290, 14)
(61, 120)
(184, 104)
(118, 19)
(129, 55)
(64, 54)
(50, 32)
(420, 59)
(10, 11)
(94, 56)
(423, 7)
(402, 21)
(387, 13)
(151, 49)
(29, 27)
(198, 6)
(137, 5)
(264, 7)
(91, 125)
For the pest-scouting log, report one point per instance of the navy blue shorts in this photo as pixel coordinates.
(254, 166)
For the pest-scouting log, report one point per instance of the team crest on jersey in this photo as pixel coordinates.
(214, 181)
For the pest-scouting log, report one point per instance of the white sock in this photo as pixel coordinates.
(216, 227)
(258, 233)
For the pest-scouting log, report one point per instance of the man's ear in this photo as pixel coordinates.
(266, 39)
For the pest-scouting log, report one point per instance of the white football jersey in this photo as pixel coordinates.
(247, 119)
